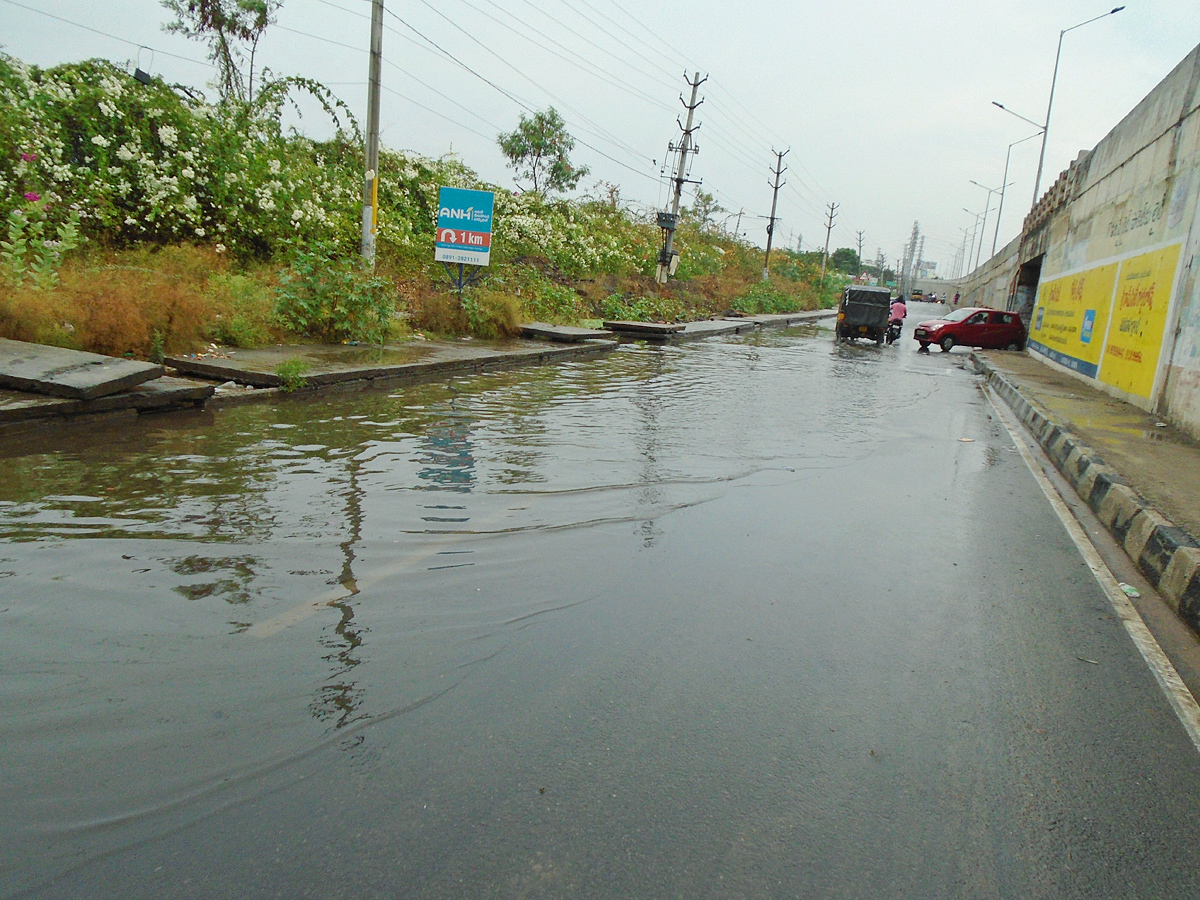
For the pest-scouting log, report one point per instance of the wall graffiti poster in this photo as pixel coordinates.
(1070, 318)
(1139, 320)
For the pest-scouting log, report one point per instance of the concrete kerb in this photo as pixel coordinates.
(1166, 554)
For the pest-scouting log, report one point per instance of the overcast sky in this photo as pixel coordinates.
(886, 106)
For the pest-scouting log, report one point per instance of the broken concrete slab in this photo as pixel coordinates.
(566, 334)
(410, 362)
(651, 331)
(73, 374)
(17, 408)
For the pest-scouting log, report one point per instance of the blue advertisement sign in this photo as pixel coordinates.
(464, 226)
(1089, 324)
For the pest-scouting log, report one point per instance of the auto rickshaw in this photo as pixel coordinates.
(864, 313)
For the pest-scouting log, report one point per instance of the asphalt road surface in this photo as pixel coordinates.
(759, 617)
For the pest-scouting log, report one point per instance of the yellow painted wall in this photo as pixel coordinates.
(1139, 321)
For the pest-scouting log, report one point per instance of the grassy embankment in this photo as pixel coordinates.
(139, 221)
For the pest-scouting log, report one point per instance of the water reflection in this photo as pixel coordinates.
(447, 460)
(338, 701)
(194, 601)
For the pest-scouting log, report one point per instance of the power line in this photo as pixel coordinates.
(602, 132)
(517, 100)
(388, 62)
(610, 79)
(664, 82)
(122, 40)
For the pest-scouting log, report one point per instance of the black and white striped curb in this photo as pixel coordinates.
(1166, 554)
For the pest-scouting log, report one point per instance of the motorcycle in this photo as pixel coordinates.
(893, 331)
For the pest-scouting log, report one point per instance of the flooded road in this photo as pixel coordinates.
(758, 616)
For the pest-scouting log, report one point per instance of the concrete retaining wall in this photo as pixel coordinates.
(991, 284)
(1114, 249)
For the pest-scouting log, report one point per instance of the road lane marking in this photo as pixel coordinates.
(1160, 665)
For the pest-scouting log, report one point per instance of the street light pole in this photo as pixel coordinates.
(1004, 187)
(1037, 184)
(986, 205)
(974, 232)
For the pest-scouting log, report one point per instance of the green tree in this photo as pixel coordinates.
(844, 259)
(538, 152)
(703, 210)
(232, 30)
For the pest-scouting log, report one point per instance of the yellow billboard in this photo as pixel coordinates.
(1070, 318)
(1139, 318)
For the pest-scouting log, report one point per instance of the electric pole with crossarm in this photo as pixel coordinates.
(779, 170)
(668, 256)
(831, 215)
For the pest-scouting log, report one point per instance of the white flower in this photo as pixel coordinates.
(187, 172)
(107, 108)
(190, 203)
(220, 248)
(99, 140)
(200, 232)
(273, 166)
(126, 152)
(130, 220)
(167, 135)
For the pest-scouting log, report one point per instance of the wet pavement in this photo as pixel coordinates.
(756, 616)
(1161, 462)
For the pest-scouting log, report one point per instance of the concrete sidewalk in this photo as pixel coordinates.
(1139, 475)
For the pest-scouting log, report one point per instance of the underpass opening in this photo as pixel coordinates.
(1025, 291)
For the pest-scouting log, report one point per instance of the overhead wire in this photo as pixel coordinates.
(42, 12)
(600, 131)
(516, 99)
(575, 60)
(654, 53)
(650, 76)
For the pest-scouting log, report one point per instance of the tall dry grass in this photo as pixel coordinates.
(142, 303)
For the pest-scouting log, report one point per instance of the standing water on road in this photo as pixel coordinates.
(561, 631)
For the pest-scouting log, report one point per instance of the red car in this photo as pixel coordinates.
(973, 327)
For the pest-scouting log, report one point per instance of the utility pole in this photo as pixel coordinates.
(668, 220)
(858, 265)
(779, 170)
(370, 205)
(831, 215)
(920, 259)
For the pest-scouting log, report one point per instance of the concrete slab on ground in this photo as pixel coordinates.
(74, 374)
(411, 361)
(643, 330)
(564, 334)
(18, 407)
(704, 328)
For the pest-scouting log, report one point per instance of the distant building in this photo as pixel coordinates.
(927, 270)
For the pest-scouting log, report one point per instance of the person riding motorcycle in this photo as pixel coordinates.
(896, 324)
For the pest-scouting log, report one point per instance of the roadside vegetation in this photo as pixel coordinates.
(141, 219)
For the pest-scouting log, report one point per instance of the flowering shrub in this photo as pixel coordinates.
(87, 153)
